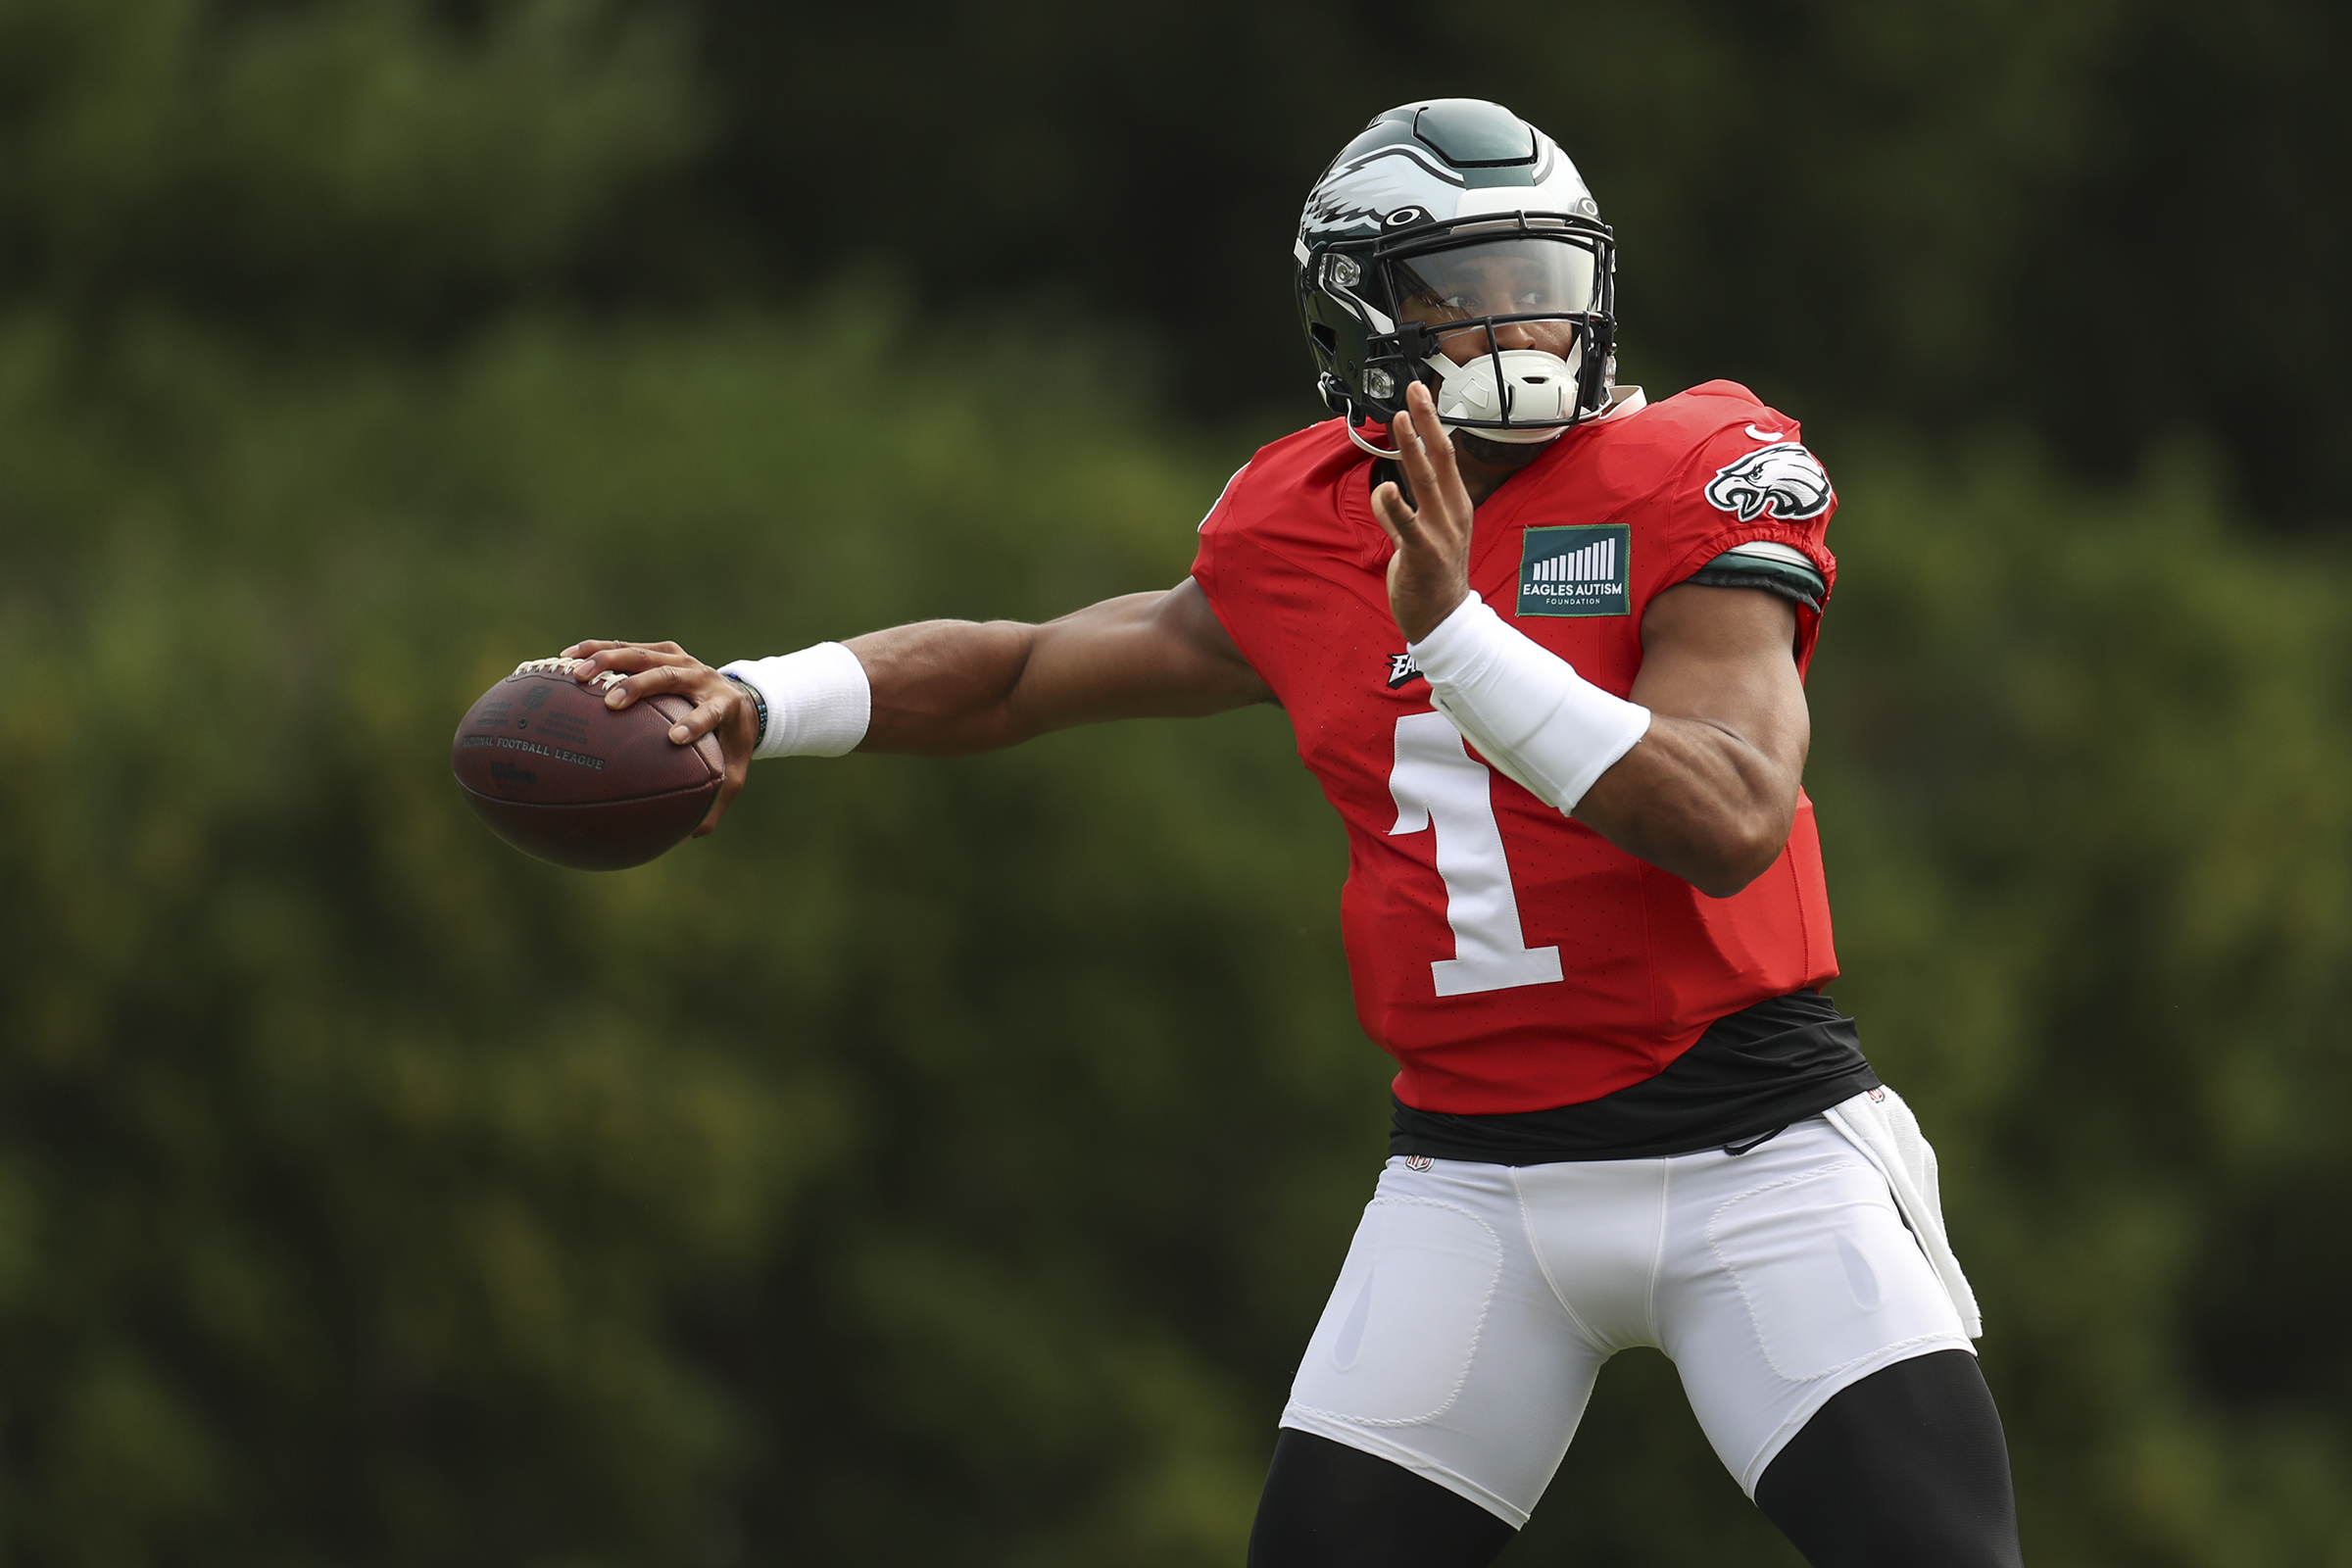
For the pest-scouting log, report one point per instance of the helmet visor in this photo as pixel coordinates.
(1522, 274)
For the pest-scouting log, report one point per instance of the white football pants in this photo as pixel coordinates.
(1478, 1303)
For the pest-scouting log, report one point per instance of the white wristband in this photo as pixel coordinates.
(818, 701)
(1525, 707)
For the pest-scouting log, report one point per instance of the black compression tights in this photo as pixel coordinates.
(1907, 1467)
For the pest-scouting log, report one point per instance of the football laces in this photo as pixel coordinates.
(564, 667)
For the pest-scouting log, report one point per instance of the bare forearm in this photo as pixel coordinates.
(945, 688)
(1699, 801)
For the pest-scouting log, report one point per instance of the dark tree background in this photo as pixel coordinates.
(2119, 227)
(944, 1163)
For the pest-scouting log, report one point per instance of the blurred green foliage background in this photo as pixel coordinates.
(944, 1163)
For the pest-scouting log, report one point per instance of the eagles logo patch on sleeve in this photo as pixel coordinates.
(1784, 480)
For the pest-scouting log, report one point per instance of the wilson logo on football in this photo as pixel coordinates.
(1784, 480)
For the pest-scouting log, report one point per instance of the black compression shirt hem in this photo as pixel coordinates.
(1687, 1141)
(1753, 1072)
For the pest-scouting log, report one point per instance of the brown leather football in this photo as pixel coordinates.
(557, 774)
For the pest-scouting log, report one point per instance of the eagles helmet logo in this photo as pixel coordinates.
(1784, 480)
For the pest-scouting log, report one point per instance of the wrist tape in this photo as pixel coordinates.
(1527, 710)
(818, 701)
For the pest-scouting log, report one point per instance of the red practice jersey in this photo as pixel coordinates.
(1509, 957)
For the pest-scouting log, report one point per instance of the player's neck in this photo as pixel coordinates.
(1482, 475)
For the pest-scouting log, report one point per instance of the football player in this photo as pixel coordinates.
(1542, 643)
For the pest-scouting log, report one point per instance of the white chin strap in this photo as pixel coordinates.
(1534, 385)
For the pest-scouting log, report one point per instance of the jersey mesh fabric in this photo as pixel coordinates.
(1294, 567)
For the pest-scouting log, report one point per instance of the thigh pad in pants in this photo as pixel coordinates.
(1478, 1303)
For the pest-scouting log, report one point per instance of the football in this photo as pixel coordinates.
(557, 774)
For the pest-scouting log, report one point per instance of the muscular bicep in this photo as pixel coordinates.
(1725, 656)
(944, 688)
(1144, 655)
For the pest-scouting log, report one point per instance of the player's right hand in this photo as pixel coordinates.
(1429, 577)
(720, 706)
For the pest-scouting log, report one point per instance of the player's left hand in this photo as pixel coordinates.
(1429, 577)
(718, 703)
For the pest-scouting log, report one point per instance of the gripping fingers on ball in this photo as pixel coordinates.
(710, 710)
(601, 657)
(647, 679)
(710, 823)
(728, 788)
(596, 646)
(691, 680)
(700, 721)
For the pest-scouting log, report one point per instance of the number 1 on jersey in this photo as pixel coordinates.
(1438, 783)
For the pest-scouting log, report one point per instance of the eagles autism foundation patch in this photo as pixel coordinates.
(1576, 571)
